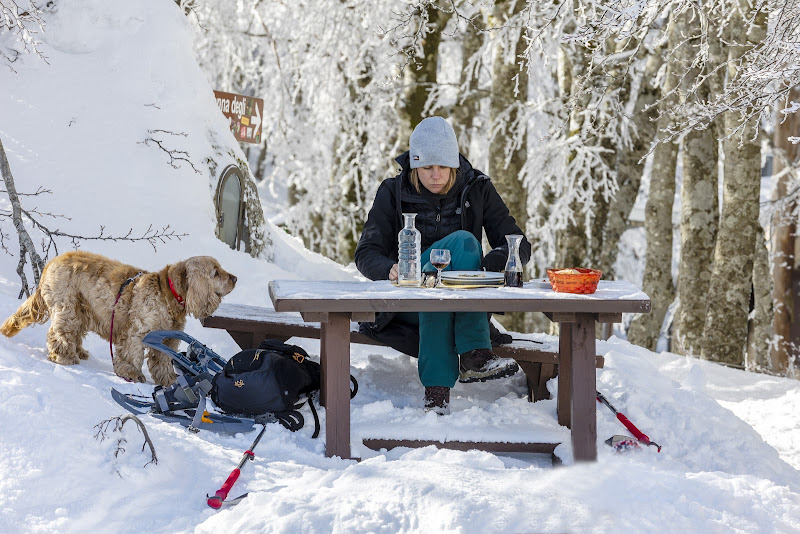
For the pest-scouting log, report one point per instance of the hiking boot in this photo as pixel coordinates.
(479, 365)
(437, 399)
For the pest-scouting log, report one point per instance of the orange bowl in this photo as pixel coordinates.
(574, 280)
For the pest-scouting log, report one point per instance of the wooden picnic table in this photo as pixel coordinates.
(335, 303)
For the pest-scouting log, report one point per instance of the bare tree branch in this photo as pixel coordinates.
(27, 248)
(119, 422)
(174, 154)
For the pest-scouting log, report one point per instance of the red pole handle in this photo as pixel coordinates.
(636, 432)
(222, 493)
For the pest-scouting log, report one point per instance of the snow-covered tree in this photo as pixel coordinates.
(324, 70)
(20, 23)
(596, 89)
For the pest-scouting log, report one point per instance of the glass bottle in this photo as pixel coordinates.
(409, 253)
(513, 269)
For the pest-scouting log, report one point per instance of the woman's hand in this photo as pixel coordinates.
(495, 261)
(393, 273)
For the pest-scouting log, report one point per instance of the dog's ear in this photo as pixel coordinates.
(177, 274)
(201, 295)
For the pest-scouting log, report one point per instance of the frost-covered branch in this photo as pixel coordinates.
(22, 21)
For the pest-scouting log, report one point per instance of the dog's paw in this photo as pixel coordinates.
(63, 359)
(132, 375)
(83, 354)
(137, 377)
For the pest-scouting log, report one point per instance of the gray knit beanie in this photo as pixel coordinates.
(433, 142)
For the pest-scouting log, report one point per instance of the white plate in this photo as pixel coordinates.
(465, 277)
(473, 283)
(495, 283)
(453, 285)
(542, 283)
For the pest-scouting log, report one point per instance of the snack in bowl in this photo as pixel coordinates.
(575, 280)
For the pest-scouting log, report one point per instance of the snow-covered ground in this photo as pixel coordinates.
(75, 126)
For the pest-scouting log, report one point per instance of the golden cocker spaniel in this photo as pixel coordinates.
(79, 291)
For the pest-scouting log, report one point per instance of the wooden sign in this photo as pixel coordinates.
(244, 114)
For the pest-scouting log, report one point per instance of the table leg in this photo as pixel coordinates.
(335, 344)
(323, 326)
(563, 404)
(584, 386)
(245, 340)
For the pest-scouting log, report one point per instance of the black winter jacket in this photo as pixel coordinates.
(472, 204)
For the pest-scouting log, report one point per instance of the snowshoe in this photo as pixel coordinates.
(225, 424)
(197, 359)
(195, 369)
(185, 400)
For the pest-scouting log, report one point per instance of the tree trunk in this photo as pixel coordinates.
(467, 107)
(504, 171)
(645, 328)
(728, 297)
(699, 206)
(784, 230)
(419, 78)
(571, 242)
(26, 247)
(759, 335)
(725, 332)
(262, 159)
(505, 106)
(699, 216)
(629, 169)
(344, 220)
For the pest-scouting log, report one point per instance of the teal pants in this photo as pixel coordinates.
(445, 335)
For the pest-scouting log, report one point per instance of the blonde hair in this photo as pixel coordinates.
(449, 185)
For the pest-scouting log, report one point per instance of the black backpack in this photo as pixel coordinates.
(269, 383)
(273, 378)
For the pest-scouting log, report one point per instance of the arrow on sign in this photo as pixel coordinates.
(258, 123)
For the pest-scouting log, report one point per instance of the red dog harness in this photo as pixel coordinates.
(114, 309)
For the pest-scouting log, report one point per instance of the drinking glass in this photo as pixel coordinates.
(440, 258)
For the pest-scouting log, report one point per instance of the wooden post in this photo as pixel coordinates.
(563, 406)
(322, 359)
(335, 345)
(245, 340)
(584, 386)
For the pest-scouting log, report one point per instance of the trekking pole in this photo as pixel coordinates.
(219, 497)
(624, 420)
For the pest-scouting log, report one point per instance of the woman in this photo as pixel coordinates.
(454, 203)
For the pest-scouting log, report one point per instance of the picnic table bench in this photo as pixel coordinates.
(332, 308)
(249, 325)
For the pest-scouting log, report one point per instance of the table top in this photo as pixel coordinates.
(382, 296)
